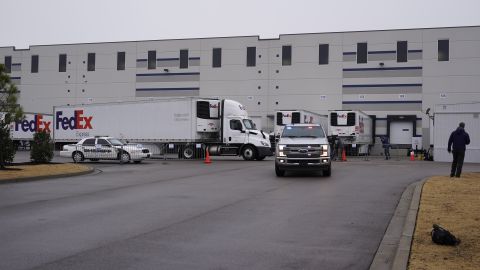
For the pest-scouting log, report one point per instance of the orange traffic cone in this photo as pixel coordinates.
(412, 157)
(207, 157)
(344, 156)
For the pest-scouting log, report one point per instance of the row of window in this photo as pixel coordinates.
(323, 56)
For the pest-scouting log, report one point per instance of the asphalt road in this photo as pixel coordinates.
(231, 214)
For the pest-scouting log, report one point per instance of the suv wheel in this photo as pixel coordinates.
(328, 171)
(279, 172)
(124, 157)
(77, 157)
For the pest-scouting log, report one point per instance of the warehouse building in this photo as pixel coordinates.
(393, 75)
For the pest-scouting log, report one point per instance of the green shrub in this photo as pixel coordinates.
(41, 148)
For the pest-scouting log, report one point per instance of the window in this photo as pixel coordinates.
(251, 56)
(323, 54)
(362, 51)
(152, 59)
(91, 62)
(235, 125)
(402, 51)
(183, 58)
(286, 55)
(34, 68)
(89, 142)
(217, 57)
(443, 50)
(120, 60)
(62, 63)
(103, 142)
(8, 64)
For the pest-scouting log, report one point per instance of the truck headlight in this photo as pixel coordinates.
(280, 150)
(324, 152)
(264, 143)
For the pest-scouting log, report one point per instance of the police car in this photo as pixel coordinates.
(105, 148)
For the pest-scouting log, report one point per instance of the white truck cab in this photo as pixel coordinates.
(303, 147)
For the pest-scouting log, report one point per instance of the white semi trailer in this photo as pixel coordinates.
(287, 117)
(351, 127)
(222, 125)
(24, 129)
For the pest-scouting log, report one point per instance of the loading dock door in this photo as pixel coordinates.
(401, 132)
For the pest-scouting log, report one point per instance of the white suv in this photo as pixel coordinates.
(109, 148)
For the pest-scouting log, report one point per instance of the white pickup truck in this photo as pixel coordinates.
(108, 148)
(303, 147)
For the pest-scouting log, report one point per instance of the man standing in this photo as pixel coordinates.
(386, 146)
(459, 138)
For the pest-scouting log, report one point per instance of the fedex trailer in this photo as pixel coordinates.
(24, 129)
(352, 127)
(287, 117)
(222, 126)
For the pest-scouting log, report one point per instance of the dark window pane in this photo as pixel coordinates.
(323, 54)
(217, 57)
(152, 59)
(91, 62)
(34, 68)
(89, 142)
(350, 119)
(203, 109)
(279, 118)
(333, 119)
(120, 60)
(443, 50)
(362, 52)
(286, 55)
(62, 63)
(102, 142)
(8, 64)
(183, 58)
(251, 56)
(295, 118)
(402, 51)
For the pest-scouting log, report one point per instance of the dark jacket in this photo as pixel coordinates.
(459, 138)
(385, 142)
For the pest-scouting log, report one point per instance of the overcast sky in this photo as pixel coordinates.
(40, 22)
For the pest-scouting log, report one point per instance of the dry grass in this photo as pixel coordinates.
(454, 204)
(27, 171)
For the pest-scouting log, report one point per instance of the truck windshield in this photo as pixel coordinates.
(303, 131)
(249, 124)
(116, 142)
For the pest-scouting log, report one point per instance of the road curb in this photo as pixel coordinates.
(394, 250)
(46, 177)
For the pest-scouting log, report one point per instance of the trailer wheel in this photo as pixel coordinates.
(188, 152)
(77, 157)
(249, 153)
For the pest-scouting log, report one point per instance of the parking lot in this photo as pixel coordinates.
(231, 214)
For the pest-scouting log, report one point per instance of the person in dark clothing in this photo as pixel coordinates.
(386, 146)
(458, 139)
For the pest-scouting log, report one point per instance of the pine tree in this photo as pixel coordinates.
(10, 111)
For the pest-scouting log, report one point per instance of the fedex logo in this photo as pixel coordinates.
(35, 125)
(77, 121)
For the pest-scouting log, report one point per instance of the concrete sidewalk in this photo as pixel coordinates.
(394, 250)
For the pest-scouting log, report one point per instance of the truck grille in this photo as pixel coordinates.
(303, 161)
(302, 145)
